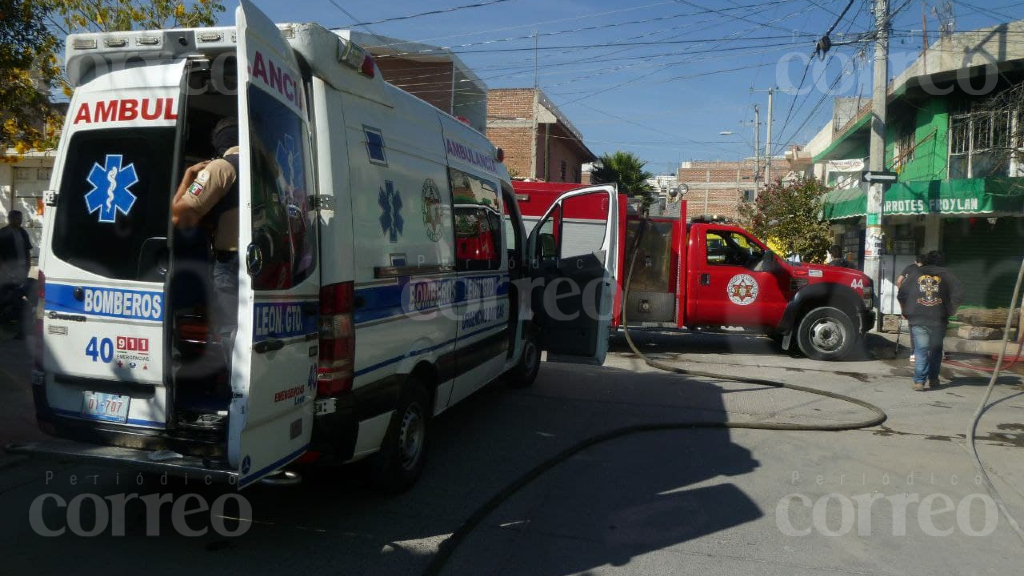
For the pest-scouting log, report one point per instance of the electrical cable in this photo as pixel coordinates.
(449, 545)
(433, 12)
(973, 427)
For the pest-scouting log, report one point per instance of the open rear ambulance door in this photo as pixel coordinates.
(275, 351)
(573, 255)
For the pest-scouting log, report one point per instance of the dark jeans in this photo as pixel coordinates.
(927, 352)
(225, 303)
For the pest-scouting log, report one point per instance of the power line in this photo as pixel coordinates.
(613, 45)
(569, 31)
(349, 14)
(432, 12)
(641, 77)
(782, 132)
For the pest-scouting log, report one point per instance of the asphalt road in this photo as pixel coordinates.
(707, 501)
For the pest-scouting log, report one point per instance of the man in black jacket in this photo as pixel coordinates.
(15, 259)
(928, 297)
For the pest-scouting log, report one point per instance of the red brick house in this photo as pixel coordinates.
(717, 188)
(539, 141)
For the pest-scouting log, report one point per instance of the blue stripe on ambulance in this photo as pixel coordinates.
(126, 304)
(414, 353)
(382, 302)
(284, 319)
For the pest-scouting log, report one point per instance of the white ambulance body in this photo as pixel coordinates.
(380, 248)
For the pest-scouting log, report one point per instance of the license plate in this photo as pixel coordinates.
(105, 407)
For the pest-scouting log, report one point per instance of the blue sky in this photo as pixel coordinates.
(679, 71)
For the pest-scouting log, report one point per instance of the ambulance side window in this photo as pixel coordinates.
(283, 222)
(478, 222)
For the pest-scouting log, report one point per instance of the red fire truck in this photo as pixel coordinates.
(709, 274)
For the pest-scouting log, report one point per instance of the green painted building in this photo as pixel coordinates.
(955, 137)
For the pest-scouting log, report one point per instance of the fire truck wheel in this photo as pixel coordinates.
(825, 334)
(399, 463)
(525, 372)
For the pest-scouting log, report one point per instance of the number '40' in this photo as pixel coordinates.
(104, 351)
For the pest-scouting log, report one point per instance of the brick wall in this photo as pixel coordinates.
(429, 81)
(559, 150)
(717, 185)
(510, 103)
(516, 144)
(510, 126)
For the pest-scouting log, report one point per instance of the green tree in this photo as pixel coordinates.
(787, 215)
(27, 70)
(32, 33)
(625, 169)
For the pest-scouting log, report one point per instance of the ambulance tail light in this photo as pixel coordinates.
(367, 68)
(337, 339)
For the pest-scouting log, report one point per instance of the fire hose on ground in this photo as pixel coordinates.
(448, 546)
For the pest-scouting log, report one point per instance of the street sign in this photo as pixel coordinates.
(868, 176)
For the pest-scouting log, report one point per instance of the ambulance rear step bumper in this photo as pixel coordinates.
(191, 467)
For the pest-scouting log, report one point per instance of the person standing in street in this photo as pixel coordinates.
(15, 260)
(918, 262)
(208, 194)
(928, 296)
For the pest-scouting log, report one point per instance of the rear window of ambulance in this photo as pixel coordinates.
(114, 203)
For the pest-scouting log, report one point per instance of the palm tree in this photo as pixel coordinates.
(625, 169)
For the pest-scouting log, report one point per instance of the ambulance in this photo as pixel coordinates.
(384, 274)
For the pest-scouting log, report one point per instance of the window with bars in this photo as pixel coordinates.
(903, 148)
(984, 143)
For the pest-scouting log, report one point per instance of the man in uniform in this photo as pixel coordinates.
(208, 194)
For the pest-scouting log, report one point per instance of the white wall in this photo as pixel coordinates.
(23, 183)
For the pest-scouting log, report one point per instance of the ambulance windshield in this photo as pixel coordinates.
(113, 208)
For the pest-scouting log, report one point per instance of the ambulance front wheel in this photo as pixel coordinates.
(525, 372)
(399, 463)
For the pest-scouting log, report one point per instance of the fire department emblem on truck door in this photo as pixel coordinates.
(433, 216)
(391, 222)
(742, 289)
(111, 185)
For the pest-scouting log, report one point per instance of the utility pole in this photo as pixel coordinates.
(768, 142)
(876, 150)
(757, 147)
(536, 99)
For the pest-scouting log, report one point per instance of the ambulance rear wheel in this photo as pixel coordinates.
(826, 333)
(525, 372)
(399, 463)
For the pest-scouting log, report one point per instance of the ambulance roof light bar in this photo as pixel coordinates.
(355, 57)
(95, 51)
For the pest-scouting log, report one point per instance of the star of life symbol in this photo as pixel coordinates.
(391, 222)
(111, 185)
(742, 289)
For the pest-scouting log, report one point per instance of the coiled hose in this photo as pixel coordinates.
(448, 546)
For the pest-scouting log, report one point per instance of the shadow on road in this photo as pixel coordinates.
(607, 505)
